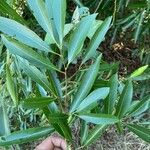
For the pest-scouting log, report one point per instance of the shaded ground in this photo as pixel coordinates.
(113, 141)
(122, 50)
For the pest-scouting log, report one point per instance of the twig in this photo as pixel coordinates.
(79, 3)
(98, 6)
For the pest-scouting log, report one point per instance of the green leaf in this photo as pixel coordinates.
(55, 84)
(79, 13)
(50, 10)
(66, 130)
(38, 102)
(78, 37)
(10, 86)
(145, 76)
(86, 84)
(48, 111)
(139, 106)
(94, 134)
(93, 30)
(79, 3)
(84, 131)
(23, 34)
(130, 23)
(4, 123)
(25, 136)
(139, 27)
(97, 39)
(102, 119)
(35, 74)
(57, 117)
(127, 19)
(109, 67)
(138, 4)
(99, 83)
(125, 100)
(140, 131)
(111, 99)
(61, 120)
(59, 14)
(6, 9)
(68, 27)
(93, 97)
(139, 71)
(26, 52)
(39, 11)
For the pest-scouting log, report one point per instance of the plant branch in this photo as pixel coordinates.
(79, 3)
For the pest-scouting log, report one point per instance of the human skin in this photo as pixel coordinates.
(52, 143)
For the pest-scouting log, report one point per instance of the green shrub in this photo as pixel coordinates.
(84, 97)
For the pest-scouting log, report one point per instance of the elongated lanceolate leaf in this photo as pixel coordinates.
(139, 71)
(10, 86)
(57, 11)
(94, 134)
(140, 131)
(38, 102)
(50, 10)
(111, 99)
(84, 129)
(102, 119)
(39, 11)
(139, 106)
(144, 76)
(86, 84)
(6, 9)
(4, 123)
(60, 121)
(97, 39)
(55, 84)
(26, 52)
(22, 33)
(78, 37)
(25, 136)
(35, 74)
(139, 27)
(93, 97)
(94, 28)
(125, 100)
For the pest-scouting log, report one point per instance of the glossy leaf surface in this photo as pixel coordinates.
(97, 38)
(39, 11)
(6, 9)
(94, 134)
(35, 74)
(78, 37)
(93, 97)
(26, 52)
(125, 100)
(37, 102)
(11, 86)
(86, 84)
(25, 136)
(102, 119)
(111, 99)
(139, 106)
(139, 71)
(26, 36)
(140, 131)
(59, 14)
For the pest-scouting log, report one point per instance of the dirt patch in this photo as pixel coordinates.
(111, 140)
(122, 51)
